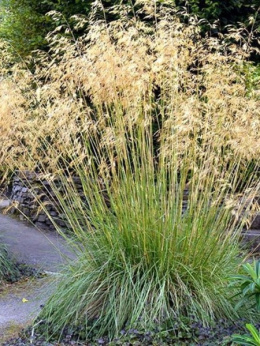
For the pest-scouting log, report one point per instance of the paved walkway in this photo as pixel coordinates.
(41, 249)
(20, 303)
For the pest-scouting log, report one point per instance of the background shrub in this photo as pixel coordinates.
(24, 23)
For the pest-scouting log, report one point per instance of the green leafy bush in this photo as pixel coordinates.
(24, 23)
(22, 26)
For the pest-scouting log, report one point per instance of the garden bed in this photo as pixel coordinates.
(193, 334)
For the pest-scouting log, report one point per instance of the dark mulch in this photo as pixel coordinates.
(194, 334)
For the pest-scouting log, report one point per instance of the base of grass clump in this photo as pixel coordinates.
(92, 302)
(187, 331)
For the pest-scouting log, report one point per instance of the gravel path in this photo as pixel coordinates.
(46, 251)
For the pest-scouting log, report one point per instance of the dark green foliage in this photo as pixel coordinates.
(69, 7)
(222, 15)
(24, 23)
(226, 12)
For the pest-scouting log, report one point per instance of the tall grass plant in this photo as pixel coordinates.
(146, 116)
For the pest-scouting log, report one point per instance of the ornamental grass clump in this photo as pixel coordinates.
(157, 123)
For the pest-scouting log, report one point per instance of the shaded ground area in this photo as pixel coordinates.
(21, 302)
